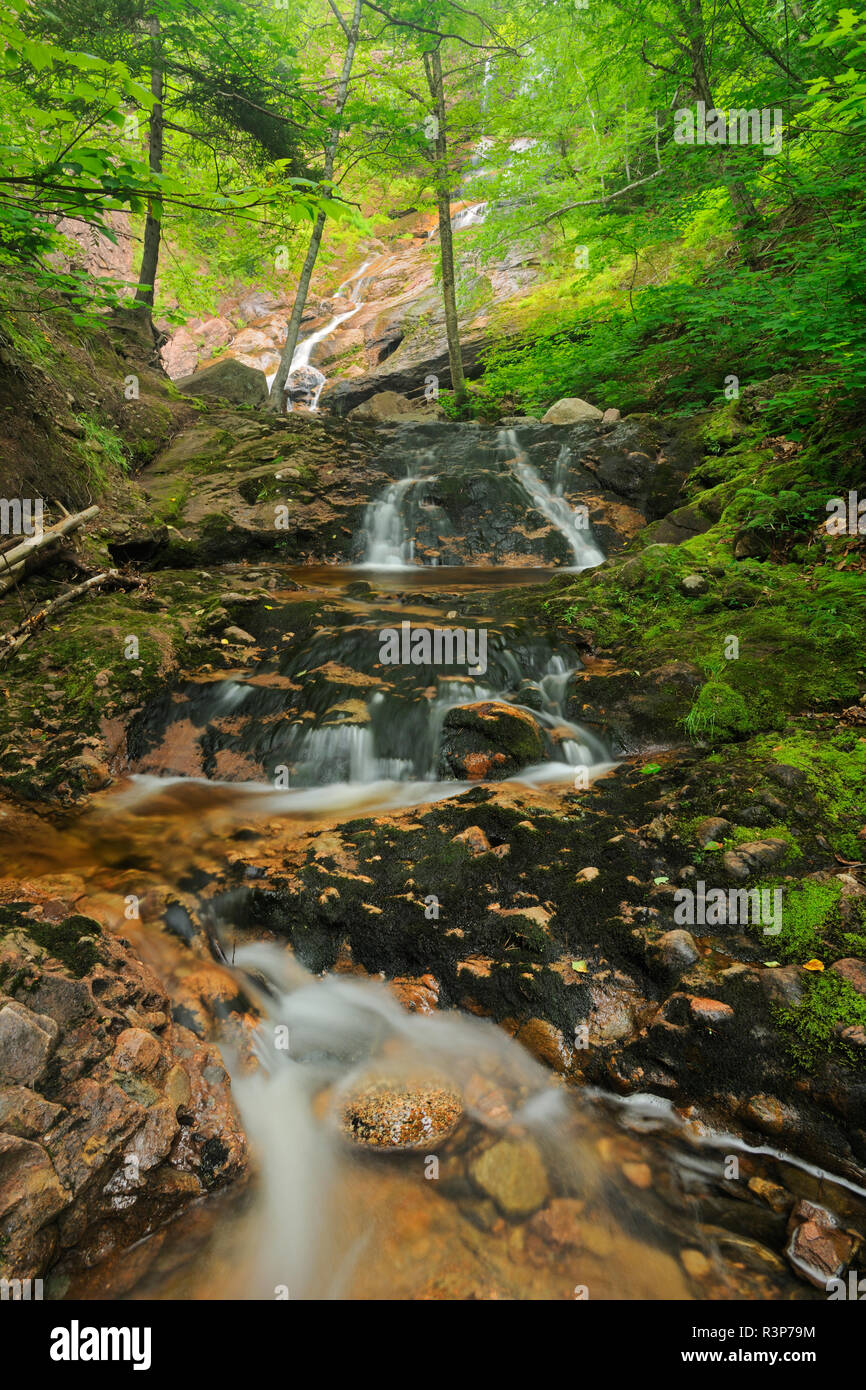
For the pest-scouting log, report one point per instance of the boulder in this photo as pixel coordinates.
(571, 410)
(757, 854)
(635, 713)
(693, 585)
(385, 405)
(388, 406)
(489, 739)
(387, 1114)
(227, 380)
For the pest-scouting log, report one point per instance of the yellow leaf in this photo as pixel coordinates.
(813, 965)
(579, 966)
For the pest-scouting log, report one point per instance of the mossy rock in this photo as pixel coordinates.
(489, 739)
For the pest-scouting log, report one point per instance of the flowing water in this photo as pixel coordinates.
(510, 1184)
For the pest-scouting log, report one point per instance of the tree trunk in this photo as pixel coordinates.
(153, 221)
(741, 199)
(433, 69)
(275, 400)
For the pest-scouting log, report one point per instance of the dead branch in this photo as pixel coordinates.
(16, 638)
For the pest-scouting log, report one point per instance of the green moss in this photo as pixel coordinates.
(786, 640)
(73, 942)
(829, 1005)
(834, 764)
(718, 713)
(810, 915)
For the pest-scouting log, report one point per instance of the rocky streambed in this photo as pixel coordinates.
(427, 912)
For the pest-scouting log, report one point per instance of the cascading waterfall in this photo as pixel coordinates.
(390, 520)
(315, 380)
(362, 753)
(573, 525)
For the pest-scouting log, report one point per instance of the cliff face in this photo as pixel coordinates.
(393, 310)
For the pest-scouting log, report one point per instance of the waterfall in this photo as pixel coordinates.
(390, 520)
(399, 739)
(574, 526)
(469, 217)
(301, 356)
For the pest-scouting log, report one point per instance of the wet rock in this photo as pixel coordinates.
(571, 410)
(783, 984)
(66, 1001)
(769, 1114)
(758, 816)
(817, 1249)
(228, 380)
(417, 995)
(384, 1113)
(559, 1224)
(87, 772)
(693, 585)
(785, 775)
(695, 1263)
(852, 970)
(636, 712)
(475, 840)
(547, 1043)
(712, 829)
(776, 1198)
(115, 1093)
(25, 1113)
(741, 863)
(711, 1013)
(587, 875)
(743, 1250)
(27, 1041)
(675, 950)
(638, 1174)
(512, 1174)
(136, 1050)
(382, 408)
(31, 1194)
(237, 634)
(489, 740)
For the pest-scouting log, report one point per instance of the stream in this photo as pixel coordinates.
(398, 1153)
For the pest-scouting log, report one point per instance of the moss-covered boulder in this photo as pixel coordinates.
(489, 739)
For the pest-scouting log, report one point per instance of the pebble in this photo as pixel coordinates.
(513, 1175)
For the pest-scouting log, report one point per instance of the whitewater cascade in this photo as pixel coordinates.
(573, 525)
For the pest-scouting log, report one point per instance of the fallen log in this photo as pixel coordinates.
(47, 537)
(14, 561)
(11, 641)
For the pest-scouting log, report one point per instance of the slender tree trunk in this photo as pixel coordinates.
(433, 69)
(275, 401)
(153, 221)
